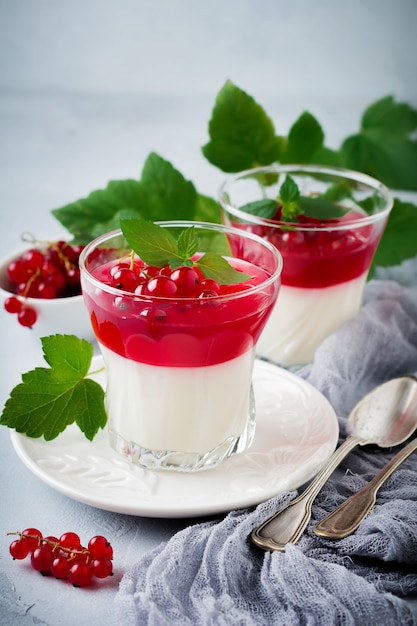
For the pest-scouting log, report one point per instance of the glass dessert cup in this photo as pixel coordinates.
(326, 262)
(179, 369)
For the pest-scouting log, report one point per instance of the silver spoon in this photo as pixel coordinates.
(344, 520)
(386, 416)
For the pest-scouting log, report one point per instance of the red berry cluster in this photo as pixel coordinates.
(165, 282)
(42, 272)
(65, 557)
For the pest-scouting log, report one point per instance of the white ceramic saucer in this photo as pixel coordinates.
(296, 432)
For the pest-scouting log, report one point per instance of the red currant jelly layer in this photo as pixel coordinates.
(322, 254)
(180, 331)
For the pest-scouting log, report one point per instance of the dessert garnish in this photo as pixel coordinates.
(175, 260)
(64, 557)
(291, 205)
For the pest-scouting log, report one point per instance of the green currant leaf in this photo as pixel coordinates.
(50, 399)
(207, 210)
(155, 245)
(242, 136)
(304, 141)
(399, 241)
(385, 147)
(217, 268)
(91, 216)
(168, 195)
(161, 194)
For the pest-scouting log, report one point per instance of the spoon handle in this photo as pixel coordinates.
(346, 518)
(287, 525)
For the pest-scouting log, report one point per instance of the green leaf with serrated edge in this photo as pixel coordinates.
(242, 135)
(187, 243)
(50, 399)
(92, 215)
(207, 210)
(321, 209)
(154, 245)
(397, 118)
(168, 195)
(385, 146)
(305, 139)
(399, 241)
(289, 191)
(217, 268)
(69, 353)
(161, 194)
(265, 208)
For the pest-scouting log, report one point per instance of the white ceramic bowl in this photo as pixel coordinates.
(67, 316)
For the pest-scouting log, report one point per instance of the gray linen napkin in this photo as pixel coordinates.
(211, 574)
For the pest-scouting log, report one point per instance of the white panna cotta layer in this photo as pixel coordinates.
(303, 318)
(188, 409)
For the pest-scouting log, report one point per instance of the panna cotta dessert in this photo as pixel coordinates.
(178, 338)
(327, 224)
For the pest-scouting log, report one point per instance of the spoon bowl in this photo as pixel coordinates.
(386, 417)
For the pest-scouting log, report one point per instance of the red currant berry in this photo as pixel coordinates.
(46, 291)
(125, 279)
(29, 289)
(209, 285)
(101, 568)
(19, 549)
(70, 540)
(60, 567)
(13, 304)
(32, 537)
(98, 546)
(57, 280)
(33, 259)
(73, 278)
(52, 542)
(151, 271)
(17, 271)
(186, 280)
(161, 286)
(41, 559)
(79, 555)
(80, 575)
(27, 316)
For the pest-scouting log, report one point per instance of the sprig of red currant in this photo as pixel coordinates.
(47, 270)
(64, 557)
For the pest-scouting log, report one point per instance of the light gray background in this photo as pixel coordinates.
(88, 88)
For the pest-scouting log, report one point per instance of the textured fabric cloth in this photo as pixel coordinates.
(211, 574)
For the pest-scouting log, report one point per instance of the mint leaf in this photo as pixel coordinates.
(217, 268)
(319, 208)
(399, 241)
(242, 136)
(187, 243)
(265, 208)
(385, 147)
(154, 245)
(289, 191)
(49, 400)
